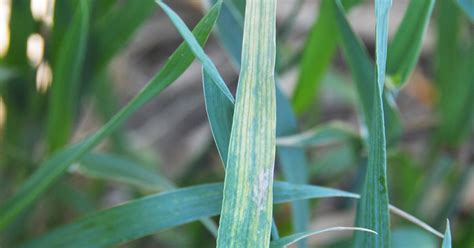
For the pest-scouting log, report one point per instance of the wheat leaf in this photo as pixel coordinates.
(405, 47)
(320, 135)
(67, 76)
(288, 240)
(53, 168)
(372, 211)
(196, 48)
(247, 205)
(155, 213)
(292, 160)
(158, 212)
(117, 168)
(447, 236)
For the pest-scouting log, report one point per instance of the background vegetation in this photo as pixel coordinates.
(374, 128)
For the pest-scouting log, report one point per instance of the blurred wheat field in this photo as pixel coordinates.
(119, 127)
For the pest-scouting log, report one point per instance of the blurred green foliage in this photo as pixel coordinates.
(41, 103)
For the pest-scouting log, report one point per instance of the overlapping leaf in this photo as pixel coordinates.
(372, 211)
(320, 135)
(373, 207)
(196, 48)
(220, 111)
(318, 52)
(116, 168)
(113, 30)
(447, 237)
(454, 76)
(291, 159)
(113, 167)
(155, 213)
(247, 204)
(67, 77)
(52, 169)
(405, 47)
(288, 240)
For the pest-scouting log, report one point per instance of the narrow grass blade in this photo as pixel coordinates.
(67, 77)
(454, 76)
(318, 52)
(158, 212)
(405, 47)
(64, 12)
(219, 110)
(53, 168)
(115, 27)
(448, 56)
(320, 135)
(154, 213)
(212, 73)
(21, 26)
(447, 236)
(363, 74)
(373, 207)
(288, 240)
(196, 48)
(414, 220)
(292, 160)
(372, 211)
(231, 38)
(468, 7)
(247, 204)
(114, 167)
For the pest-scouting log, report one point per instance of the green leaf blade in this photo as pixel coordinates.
(288, 240)
(155, 213)
(246, 215)
(373, 208)
(119, 169)
(405, 47)
(219, 112)
(318, 52)
(292, 160)
(454, 76)
(67, 76)
(115, 28)
(52, 169)
(320, 135)
(363, 74)
(447, 237)
(196, 48)
(114, 167)
(158, 212)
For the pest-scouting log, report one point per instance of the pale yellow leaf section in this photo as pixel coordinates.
(246, 215)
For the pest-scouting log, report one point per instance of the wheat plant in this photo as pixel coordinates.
(265, 195)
